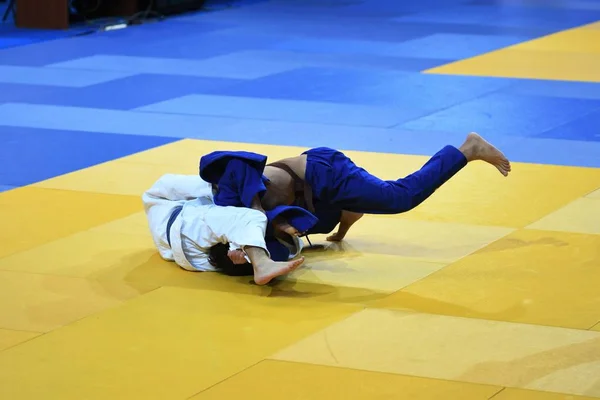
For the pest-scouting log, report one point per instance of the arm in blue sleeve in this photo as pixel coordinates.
(240, 185)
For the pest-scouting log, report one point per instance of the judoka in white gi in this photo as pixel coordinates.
(189, 229)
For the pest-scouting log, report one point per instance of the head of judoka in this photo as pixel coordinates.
(229, 262)
(234, 262)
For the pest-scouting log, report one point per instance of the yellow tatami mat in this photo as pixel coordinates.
(490, 294)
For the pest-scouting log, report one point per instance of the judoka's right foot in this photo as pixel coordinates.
(269, 269)
(477, 148)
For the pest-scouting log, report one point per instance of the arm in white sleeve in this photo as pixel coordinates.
(238, 226)
(198, 257)
(172, 187)
(179, 187)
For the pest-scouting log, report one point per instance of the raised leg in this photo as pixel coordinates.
(360, 192)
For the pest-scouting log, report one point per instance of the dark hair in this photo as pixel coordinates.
(220, 260)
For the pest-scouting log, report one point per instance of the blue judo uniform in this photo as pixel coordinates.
(336, 183)
(238, 175)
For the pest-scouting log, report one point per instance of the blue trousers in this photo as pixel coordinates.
(338, 183)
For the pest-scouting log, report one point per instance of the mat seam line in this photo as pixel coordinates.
(497, 393)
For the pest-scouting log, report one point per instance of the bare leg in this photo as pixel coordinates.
(477, 148)
(346, 221)
(266, 269)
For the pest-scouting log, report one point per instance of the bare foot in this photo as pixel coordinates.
(336, 237)
(347, 219)
(269, 269)
(477, 148)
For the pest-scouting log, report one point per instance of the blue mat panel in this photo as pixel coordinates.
(556, 19)
(32, 155)
(336, 73)
(447, 46)
(4, 188)
(556, 152)
(214, 67)
(381, 88)
(280, 110)
(339, 60)
(586, 128)
(346, 137)
(110, 121)
(501, 113)
(576, 90)
(120, 94)
(57, 76)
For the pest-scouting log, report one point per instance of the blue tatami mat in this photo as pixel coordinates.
(369, 87)
(586, 128)
(507, 16)
(4, 188)
(30, 155)
(119, 94)
(447, 46)
(507, 114)
(318, 73)
(110, 121)
(214, 67)
(56, 76)
(281, 110)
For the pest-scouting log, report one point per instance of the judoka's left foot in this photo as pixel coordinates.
(267, 270)
(336, 237)
(477, 148)
(347, 219)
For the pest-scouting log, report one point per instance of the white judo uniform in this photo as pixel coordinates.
(201, 224)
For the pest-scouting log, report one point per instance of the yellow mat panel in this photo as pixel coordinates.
(33, 216)
(594, 195)
(530, 276)
(295, 381)
(521, 394)
(117, 177)
(115, 252)
(170, 343)
(593, 25)
(9, 338)
(477, 196)
(468, 350)
(40, 303)
(515, 63)
(377, 272)
(416, 239)
(580, 216)
(570, 55)
(579, 40)
(186, 153)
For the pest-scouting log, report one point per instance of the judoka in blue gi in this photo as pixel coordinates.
(188, 228)
(328, 183)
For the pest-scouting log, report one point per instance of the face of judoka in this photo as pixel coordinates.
(237, 256)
